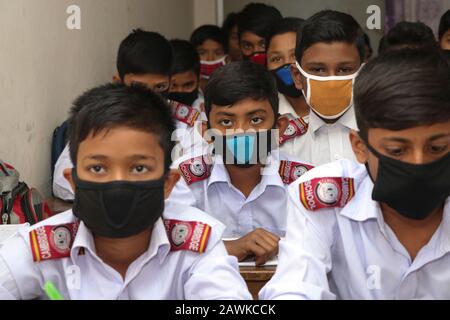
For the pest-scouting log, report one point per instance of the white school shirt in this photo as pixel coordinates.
(323, 142)
(351, 253)
(158, 274)
(187, 138)
(264, 208)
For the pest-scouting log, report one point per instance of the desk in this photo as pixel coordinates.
(58, 205)
(256, 277)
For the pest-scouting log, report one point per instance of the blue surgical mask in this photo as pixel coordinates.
(285, 83)
(245, 149)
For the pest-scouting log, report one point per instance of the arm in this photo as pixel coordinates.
(215, 276)
(304, 259)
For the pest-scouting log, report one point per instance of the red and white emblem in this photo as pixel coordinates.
(195, 169)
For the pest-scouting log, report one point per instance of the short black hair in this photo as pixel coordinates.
(257, 18)
(240, 80)
(330, 26)
(185, 57)
(209, 32)
(368, 44)
(229, 23)
(408, 34)
(144, 52)
(284, 25)
(402, 89)
(444, 24)
(115, 105)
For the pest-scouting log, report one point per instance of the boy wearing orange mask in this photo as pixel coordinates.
(329, 54)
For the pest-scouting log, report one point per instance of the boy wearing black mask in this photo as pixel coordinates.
(378, 229)
(120, 237)
(243, 181)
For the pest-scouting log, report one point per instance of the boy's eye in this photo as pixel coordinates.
(257, 120)
(345, 70)
(317, 70)
(437, 149)
(275, 59)
(395, 152)
(97, 169)
(225, 122)
(140, 169)
(161, 87)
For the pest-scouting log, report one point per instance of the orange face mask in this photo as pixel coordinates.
(329, 97)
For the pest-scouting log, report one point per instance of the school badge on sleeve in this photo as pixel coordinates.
(297, 127)
(184, 113)
(196, 169)
(291, 170)
(187, 235)
(52, 242)
(330, 192)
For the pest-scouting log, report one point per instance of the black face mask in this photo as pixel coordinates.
(186, 98)
(118, 209)
(413, 190)
(245, 149)
(285, 83)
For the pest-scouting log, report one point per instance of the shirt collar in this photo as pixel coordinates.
(270, 175)
(347, 120)
(159, 242)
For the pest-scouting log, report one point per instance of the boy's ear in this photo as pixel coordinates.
(296, 76)
(171, 180)
(359, 147)
(116, 78)
(282, 124)
(68, 175)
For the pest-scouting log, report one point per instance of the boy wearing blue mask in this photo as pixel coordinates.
(329, 55)
(120, 237)
(378, 229)
(243, 181)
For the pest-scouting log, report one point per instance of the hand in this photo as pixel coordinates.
(259, 243)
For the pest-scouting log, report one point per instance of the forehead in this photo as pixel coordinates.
(331, 53)
(283, 42)
(148, 79)
(186, 76)
(210, 44)
(244, 107)
(419, 134)
(120, 141)
(251, 37)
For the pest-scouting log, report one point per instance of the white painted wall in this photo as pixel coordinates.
(205, 12)
(44, 66)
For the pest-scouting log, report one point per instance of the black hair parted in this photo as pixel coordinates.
(116, 105)
(238, 81)
(257, 18)
(185, 57)
(144, 52)
(402, 89)
(330, 26)
(229, 23)
(209, 32)
(444, 24)
(284, 25)
(408, 34)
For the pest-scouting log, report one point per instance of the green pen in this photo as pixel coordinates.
(52, 292)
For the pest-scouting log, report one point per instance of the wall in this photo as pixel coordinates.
(306, 8)
(205, 12)
(44, 66)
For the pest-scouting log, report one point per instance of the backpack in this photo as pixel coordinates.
(18, 203)
(59, 142)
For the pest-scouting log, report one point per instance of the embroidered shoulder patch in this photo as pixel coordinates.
(290, 170)
(322, 193)
(184, 113)
(297, 127)
(196, 169)
(187, 235)
(53, 242)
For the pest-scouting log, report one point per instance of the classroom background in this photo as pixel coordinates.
(45, 65)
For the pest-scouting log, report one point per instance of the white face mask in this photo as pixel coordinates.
(330, 97)
(208, 67)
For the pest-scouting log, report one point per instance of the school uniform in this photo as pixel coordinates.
(206, 185)
(338, 245)
(316, 142)
(186, 259)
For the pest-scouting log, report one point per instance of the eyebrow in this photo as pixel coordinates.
(438, 136)
(256, 111)
(100, 157)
